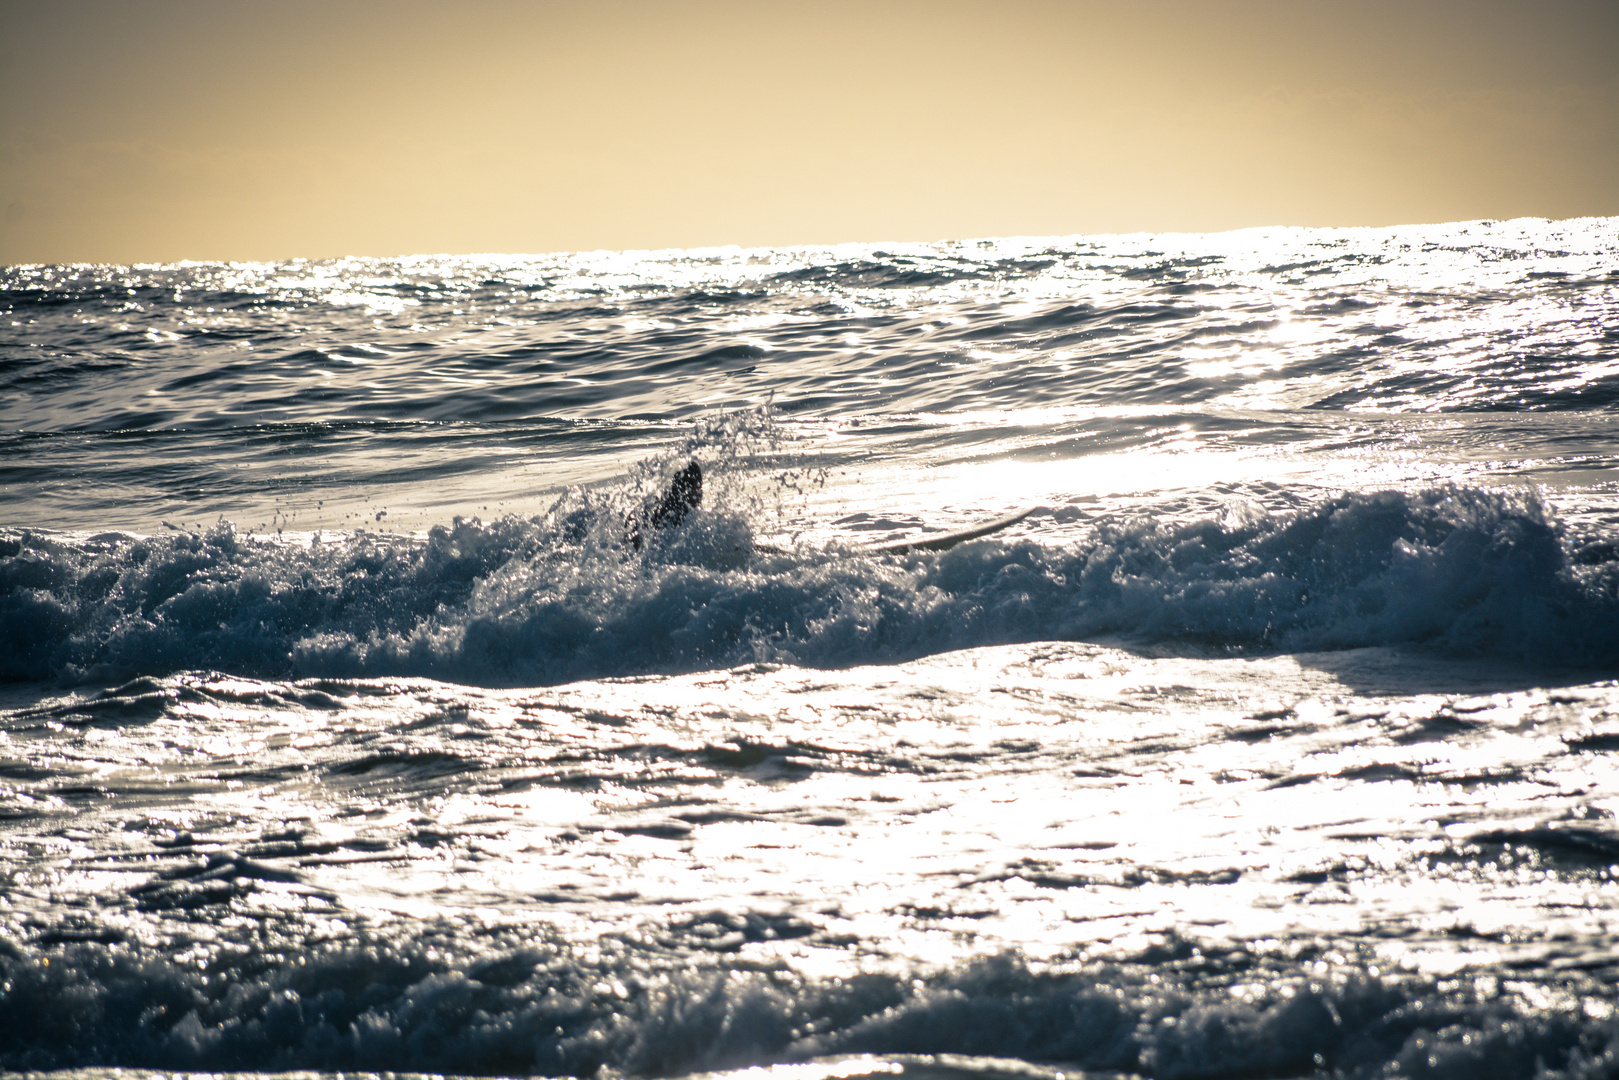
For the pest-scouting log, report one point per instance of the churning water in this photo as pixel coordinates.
(345, 729)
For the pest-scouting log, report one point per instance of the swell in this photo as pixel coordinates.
(1455, 318)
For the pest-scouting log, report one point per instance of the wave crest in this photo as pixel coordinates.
(561, 597)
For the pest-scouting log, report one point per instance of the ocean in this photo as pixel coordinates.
(357, 716)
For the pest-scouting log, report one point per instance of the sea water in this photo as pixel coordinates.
(343, 728)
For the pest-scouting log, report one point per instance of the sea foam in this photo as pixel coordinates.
(526, 601)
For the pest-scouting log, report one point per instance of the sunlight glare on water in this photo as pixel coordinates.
(359, 715)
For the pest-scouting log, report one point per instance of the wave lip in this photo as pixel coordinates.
(536, 601)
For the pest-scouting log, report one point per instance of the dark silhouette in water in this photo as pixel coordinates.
(685, 492)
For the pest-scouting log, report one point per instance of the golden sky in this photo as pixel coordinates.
(171, 129)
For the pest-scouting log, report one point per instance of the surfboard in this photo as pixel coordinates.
(950, 540)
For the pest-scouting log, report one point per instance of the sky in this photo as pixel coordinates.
(163, 130)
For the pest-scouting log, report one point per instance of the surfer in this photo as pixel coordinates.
(685, 492)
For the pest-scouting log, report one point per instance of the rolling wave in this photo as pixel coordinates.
(562, 596)
(543, 1008)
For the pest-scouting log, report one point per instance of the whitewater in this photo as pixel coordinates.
(348, 725)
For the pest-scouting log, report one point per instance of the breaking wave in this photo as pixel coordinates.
(562, 596)
(1176, 1011)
